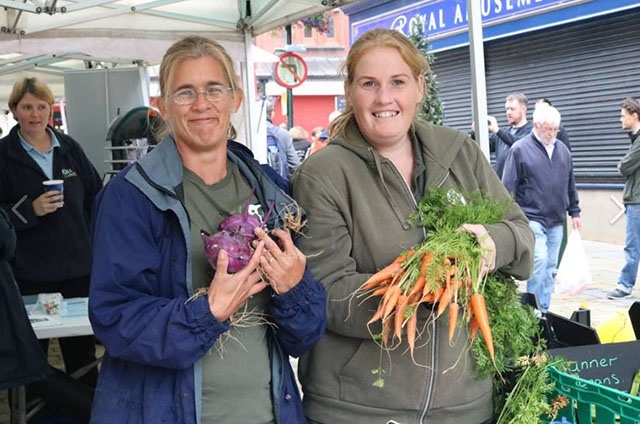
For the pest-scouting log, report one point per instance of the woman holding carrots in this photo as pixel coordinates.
(173, 353)
(359, 192)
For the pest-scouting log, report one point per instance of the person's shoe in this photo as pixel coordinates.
(618, 294)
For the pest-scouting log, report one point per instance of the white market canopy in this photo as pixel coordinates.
(47, 37)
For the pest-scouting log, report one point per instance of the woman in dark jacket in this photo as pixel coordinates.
(174, 354)
(53, 251)
(21, 359)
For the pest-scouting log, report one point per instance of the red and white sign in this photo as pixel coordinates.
(291, 70)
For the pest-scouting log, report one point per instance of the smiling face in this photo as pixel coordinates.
(203, 125)
(33, 115)
(384, 96)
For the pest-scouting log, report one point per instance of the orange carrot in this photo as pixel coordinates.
(427, 298)
(446, 297)
(380, 291)
(479, 308)
(397, 277)
(386, 273)
(474, 328)
(381, 276)
(454, 308)
(424, 263)
(391, 298)
(403, 301)
(386, 331)
(378, 314)
(412, 328)
(421, 281)
(437, 293)
(417, 287)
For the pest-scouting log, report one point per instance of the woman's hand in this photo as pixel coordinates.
(488, 246)
(228, 292)
(282, 262)
(47, 203)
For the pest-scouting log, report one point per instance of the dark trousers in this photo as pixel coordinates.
(77, 352)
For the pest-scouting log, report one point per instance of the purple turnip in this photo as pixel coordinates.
(234, 235)
(236, 246)
(242, 224)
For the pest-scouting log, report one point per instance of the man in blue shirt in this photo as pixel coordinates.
(538, 172)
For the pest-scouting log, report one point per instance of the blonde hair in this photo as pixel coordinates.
(298, 133)
(376, 38)
(194, 47)
(32, 85)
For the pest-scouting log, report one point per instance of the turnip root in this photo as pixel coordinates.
(236, 246)
(234, 236)
(242, 224)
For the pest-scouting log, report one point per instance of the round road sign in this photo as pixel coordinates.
(291, 70)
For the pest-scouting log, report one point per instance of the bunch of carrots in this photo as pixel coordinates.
(444, 270)
(420, 276)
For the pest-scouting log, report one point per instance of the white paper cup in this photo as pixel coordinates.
(50, 185)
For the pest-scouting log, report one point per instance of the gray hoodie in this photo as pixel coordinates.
(358, 204)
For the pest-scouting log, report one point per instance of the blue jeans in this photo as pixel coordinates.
(631, 248)
(545, 261)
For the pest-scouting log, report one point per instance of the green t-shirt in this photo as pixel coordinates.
(236, 375)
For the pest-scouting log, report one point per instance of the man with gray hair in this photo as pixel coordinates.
(538, 172)
(629, 167)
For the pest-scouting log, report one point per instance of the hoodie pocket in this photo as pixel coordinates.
(405, 384)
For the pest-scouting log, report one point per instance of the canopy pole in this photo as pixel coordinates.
(251, 127)
(478, 83)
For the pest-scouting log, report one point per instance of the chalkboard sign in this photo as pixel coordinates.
(610, 364)
(634, 316)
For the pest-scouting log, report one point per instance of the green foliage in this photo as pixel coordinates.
(528, 401)
(431, 109)
(447, 209)
(320, 22)
(515, 328)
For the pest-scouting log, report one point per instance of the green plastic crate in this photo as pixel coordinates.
(611, 406)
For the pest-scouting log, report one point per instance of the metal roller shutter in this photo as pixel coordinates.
(584, 68)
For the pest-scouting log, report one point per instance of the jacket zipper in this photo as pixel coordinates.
(434, 342)
(430, 383)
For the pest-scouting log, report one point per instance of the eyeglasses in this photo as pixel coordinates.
(549, 128)
(188, 96)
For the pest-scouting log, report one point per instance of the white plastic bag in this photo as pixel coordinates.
(574, 275)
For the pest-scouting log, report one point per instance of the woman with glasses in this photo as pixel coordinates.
(176, 353)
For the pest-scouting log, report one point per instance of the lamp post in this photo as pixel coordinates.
(289, 90)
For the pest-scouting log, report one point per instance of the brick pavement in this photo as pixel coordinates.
(605, 261)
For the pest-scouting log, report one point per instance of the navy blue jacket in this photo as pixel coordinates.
(545, 189)
(141, 280)
(22, 360)
(56, 246)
